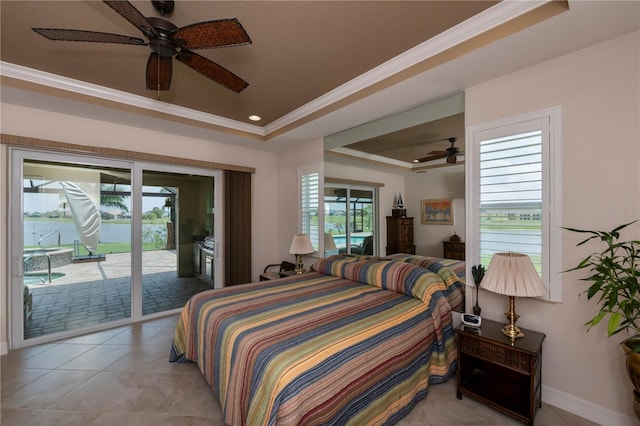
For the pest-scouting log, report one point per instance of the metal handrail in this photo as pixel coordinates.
(24, 260)
(47, 236)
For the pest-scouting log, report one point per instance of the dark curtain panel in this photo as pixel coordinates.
(237, 227)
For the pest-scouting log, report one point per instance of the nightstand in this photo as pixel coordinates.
(503, 375)
(453, 250)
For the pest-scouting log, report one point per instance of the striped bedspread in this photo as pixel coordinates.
(357, 342)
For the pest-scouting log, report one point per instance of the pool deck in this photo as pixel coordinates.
(92, 293)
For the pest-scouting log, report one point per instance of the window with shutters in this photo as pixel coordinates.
(514, 200)
(310, 219)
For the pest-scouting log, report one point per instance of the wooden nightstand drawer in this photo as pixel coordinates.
(453, 250)
(498, 354)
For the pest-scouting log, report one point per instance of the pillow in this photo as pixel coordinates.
(451, 271)
(432, 263)
(403, 278)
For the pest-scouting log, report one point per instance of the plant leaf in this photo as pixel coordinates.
(614, 321)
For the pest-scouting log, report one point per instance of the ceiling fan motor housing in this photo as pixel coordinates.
(162, 44)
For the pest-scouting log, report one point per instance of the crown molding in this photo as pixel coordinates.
(374, 158)
(478, 24)
(348, 152)
(31, 75)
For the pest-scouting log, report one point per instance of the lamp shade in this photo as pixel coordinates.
(329, 242)
(301, 244)
(513, 274)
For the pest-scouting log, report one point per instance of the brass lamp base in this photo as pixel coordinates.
(511, 330)
(299, 265)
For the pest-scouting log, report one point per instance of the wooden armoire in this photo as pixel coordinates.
(400, 235)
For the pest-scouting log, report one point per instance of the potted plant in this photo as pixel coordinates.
(614, 276)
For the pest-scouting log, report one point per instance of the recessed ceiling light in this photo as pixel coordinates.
(255, 118)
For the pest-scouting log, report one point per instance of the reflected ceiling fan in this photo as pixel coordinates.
(166, 41)
(450, 153)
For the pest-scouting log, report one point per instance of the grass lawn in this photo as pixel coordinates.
(108, 248)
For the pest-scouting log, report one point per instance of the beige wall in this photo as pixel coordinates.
(4, 226)
(598, 90)
(48, 125)
(432, 185)
(289, 161)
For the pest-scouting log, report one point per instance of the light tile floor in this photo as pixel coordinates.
(122, 377)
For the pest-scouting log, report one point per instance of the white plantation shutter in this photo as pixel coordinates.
(511, 196)
(309, 206)
(514, 192)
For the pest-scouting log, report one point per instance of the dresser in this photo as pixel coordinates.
(453, 250)
(400, 235)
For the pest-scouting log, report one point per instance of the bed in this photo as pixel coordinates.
(355, 341)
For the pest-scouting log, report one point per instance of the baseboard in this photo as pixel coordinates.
(585, 409)
(4, 348)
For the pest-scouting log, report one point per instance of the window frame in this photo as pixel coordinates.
(549, 120)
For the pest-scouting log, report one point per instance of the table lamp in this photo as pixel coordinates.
(329, 244)
(513, 274)
(300, 245)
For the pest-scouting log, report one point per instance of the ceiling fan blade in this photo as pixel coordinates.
(211, 70)
(159, 72)
(209, 34)
(133, 15)
(433, 155)
(88, 36)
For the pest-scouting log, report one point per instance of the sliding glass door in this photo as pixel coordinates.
(350, 219)
(72, 258)
(178, 217)
(98, 242)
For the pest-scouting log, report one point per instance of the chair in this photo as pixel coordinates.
(365, 248)
(269, 272)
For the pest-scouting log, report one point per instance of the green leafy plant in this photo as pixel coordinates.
(613, 274)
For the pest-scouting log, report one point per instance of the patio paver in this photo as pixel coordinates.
(97, 292)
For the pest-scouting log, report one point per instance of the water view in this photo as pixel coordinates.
(34, 230)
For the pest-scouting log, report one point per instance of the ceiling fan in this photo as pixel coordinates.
(166, 41)
(450, 153)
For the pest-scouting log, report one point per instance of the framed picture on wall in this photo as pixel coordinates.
(437, 212)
